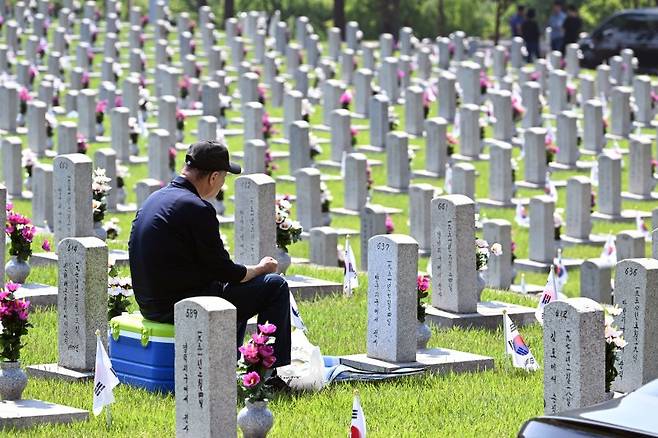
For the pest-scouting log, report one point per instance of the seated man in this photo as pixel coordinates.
(176, 252)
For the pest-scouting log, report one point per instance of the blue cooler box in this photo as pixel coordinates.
(142, 352)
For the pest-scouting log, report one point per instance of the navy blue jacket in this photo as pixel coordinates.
(176, 251)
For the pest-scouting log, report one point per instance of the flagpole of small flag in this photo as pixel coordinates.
(505, 354)
(108, 408)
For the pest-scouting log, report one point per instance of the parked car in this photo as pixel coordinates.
(635, 29)
(633, 415)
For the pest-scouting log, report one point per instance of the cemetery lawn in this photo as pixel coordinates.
(493, 403)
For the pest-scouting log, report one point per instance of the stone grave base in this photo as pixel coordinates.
(634, 197)
(291, 178)
(39, 295)
(460, 157)
(491, 203)
(390, 190)
(307, 288)
(231, 132)
(434, 360)
(425, 174)
(534, 266)
(530, 185)
(341, 232)
(138, 159)
(45, 258)
(590, 152)
(583, 166)
(54, 371)
(347, 212)
(369, 148)
(276, 155)
(593, 240)
(125, 208)
(25, 194)
(280, 141)
(225, 220)
(489, 315)
(337, 165)
(531, 289)
(21, 414)
(624, 216)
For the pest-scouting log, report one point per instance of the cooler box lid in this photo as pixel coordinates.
(136, 324)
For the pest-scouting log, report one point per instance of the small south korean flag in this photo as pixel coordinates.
(516, 347)
(104, 378)
(350, 280)
(358, 427)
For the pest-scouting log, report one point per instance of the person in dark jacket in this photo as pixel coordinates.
(572, 26)
(530, 34)
(176, 252)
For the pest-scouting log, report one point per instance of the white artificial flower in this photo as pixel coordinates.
(497, 249)
(286, 224)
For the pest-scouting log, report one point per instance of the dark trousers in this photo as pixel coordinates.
(532, 48)
(268, 297)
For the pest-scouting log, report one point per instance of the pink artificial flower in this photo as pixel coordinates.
(259, 338)
(11, 286)
(400, 74)
(172, 153)
(269, 361)
(346, 98)
(9, 229)
(85, 79)
(184, 82)
(5, 309)
(390, 227)
(33, 72)
(535, 76)
(250, 352)
(118, 101)
(46, 245)
(101, 106)
(265, 350)
(4, 294)
(180, 116)
(267, 328)
(24, 95)
(28, 233)
(251, 379)
(353, 131)
(21, 309)
(9, 207)
(423, 283)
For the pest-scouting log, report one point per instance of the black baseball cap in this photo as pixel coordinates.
(210, 155)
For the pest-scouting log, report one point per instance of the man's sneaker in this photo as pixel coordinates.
(277, 384)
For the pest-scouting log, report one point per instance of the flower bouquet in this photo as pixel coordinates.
(82, 145)
(390, 226)
(122, 174)
(118, 291)
(422, 288)
(180, 125)
(483, 252)
(99, 189)
(268, 127)
(614, 342)
(24, 97)
(428, 98)
(287, 230)
(14, 322)
(353, 135)
(261, 94)
(184, 85)
(101, 108)
(345, 99)
(28, 160)
(21, 232)
(254, 369)
(255, 366)
(557, 223)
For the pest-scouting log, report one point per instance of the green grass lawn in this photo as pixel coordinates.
(492, 403)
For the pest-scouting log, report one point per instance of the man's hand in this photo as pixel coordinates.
(268, 265)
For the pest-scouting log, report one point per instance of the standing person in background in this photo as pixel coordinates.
(516, 21)
(556, 22)
(572, 26)
(530, 34)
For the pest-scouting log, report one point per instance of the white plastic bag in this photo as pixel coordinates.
(306, 369)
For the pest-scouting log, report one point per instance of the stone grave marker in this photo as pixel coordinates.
(636, 292)
(595, 276)
(81, 307)
(574, 355)
(206, 392)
